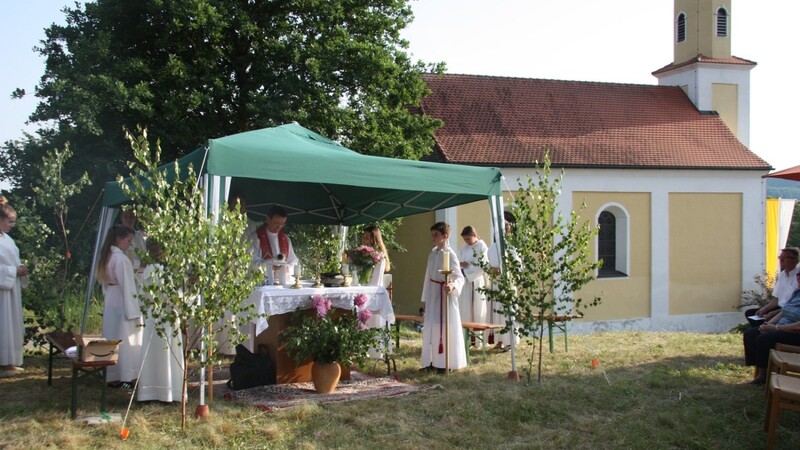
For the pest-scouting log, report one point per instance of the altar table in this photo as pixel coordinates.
(278, 302)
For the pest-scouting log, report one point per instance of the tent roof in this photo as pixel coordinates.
(792, 173)
(320, 181)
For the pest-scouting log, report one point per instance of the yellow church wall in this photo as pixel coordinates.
(475, 214)
(624, 297)
(705, 252)
(725, 100)
(408, 268)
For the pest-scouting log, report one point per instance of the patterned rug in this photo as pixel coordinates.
(359, 387)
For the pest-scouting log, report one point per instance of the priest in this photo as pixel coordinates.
(273, 248)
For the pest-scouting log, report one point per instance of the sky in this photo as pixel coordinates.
(620, 41)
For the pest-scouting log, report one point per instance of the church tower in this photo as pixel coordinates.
(703, 65)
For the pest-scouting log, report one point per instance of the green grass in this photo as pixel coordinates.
(664, 390)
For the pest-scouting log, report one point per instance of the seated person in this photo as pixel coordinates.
(783, 328)
(782, 290)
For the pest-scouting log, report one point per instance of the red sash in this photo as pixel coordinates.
(266, 247)
(442, 299)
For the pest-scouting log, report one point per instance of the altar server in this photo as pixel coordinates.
(122, 316)
(13, 277)
(162, 365)
(472, 254)
(437, 295)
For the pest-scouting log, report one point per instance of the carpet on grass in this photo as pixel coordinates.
(359, 387)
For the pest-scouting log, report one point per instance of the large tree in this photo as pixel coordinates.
(189, 70)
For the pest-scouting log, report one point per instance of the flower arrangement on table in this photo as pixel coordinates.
(325, 339)
(364, 258)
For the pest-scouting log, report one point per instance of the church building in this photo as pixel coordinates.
(664, 169)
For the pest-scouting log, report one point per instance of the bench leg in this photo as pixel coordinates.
(50, 366)
(74, 404)
(466, 341)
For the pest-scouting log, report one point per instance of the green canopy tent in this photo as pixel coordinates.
(319, 181)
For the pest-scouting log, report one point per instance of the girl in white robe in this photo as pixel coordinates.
(436, 296)
(122, 316)
(13, 277)
(162, 364)
(372, 237)
(471, 255)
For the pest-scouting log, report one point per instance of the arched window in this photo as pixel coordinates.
(612, 242)
(722, 22)
(681, 27)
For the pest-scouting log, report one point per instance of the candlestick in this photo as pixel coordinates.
(446, 261)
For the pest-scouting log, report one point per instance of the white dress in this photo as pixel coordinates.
(472, 302)
(162, 364)
(494, 316)
(377, 320)
(12, 328)
(122, 316)
(435, 300)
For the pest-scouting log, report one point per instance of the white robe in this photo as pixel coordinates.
(494, 316)
(472, 302)
(12, 329)
(433, 333)
(377, 321)
(162, 364)
(122, 316)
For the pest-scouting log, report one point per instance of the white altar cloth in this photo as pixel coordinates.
(271, 300)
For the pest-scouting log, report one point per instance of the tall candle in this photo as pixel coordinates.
(297, 271)
(344, 257)
(446, 262)
(345, 269)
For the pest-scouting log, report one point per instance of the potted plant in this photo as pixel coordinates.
(364, 258)
(330, 340)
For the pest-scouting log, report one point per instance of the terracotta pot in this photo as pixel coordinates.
(325, 376)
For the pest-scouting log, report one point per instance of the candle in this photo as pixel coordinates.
(344, 258)
(446, 262)
(297, 271)
(345, 269)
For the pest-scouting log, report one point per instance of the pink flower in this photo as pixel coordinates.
(321, 304)
(363, 317)
(360, 300)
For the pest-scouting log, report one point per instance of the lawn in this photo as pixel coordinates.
(650, 391)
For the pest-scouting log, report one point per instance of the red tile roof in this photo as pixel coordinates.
(734, 60)
(511, 121)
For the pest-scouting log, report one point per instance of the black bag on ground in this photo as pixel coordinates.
(251, 369)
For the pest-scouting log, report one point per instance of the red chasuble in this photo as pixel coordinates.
(266, 247)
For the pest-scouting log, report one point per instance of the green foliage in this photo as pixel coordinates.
(205, 267)
(316, 246)
(757, 297)
(546, 261)
(327, 337)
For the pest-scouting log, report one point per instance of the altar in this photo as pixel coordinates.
(278, 302)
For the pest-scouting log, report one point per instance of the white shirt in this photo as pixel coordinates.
(785, 285)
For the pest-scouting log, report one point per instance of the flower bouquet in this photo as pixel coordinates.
(364, 258)
(326, 339)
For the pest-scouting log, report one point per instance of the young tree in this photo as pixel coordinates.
(206, 260)
(546, 261)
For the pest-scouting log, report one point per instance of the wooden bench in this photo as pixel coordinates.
(59, 343)
(470, 329)
(558, 321)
